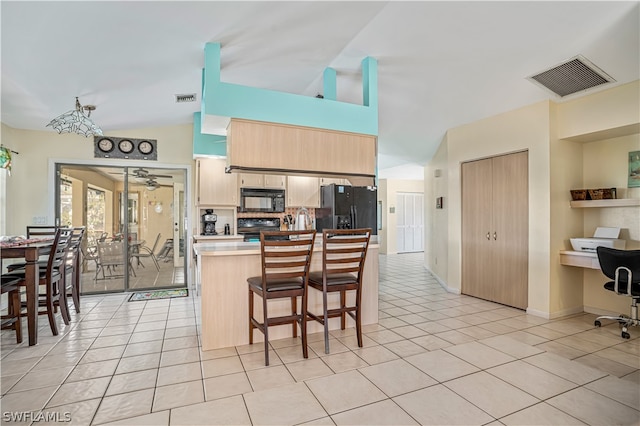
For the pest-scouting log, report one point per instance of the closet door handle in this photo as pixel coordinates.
(489, 236)
(495, 236)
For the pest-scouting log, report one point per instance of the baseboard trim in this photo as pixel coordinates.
(442, 283)
(599, 312)
(557, 314)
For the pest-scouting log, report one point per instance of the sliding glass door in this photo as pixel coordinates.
(134, 239)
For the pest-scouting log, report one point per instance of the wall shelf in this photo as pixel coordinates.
(619, 202)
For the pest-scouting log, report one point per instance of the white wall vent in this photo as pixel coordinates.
(190, 97)
(572, 76)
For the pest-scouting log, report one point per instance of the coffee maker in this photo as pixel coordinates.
(209, 219)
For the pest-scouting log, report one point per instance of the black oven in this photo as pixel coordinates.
(261, 200)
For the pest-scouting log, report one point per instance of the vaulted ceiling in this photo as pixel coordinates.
(440, 64)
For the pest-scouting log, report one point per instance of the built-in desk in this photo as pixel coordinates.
(581, 259)
(224, 296)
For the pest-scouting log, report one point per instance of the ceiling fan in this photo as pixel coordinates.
(141, 175)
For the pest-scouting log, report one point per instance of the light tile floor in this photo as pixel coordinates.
(434, 358)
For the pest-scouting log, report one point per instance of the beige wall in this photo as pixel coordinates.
(28, 188)
(387, 193)
(554, 135)
(436, 251)
(605, 166)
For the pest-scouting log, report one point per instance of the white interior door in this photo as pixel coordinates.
(410, 222)
(178, 224)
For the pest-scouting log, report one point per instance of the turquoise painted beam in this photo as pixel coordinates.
(236, 101)
(204, 144)
(329, 84)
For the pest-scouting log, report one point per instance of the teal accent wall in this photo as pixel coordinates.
(204, 144)
(232, 100)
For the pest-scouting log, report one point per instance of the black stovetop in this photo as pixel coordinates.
(250, 227)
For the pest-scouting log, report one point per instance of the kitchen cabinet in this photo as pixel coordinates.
(303, 191)
(254, 145)
(214, 186)
(257, 180)
(324, 181)
(495, 229)
(251, 180)
(275, 181)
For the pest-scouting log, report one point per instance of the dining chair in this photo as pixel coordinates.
(344, 252)
(36, 231)
(285, 258)
(10, 286)
(53, 279)
(144, 252)
(72, 268)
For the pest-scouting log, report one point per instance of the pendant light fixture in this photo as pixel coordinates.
(75, 121)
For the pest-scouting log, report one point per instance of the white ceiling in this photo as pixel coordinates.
(440, 64)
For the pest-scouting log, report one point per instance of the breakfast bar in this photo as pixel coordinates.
(223, 269)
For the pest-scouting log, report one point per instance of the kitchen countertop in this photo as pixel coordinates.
(229, 248)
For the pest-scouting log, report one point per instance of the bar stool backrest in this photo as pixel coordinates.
(344, 251)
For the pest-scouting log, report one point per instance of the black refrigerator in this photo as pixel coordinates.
(347, 207)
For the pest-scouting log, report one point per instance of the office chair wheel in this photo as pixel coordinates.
(597, 323)
(626, 335)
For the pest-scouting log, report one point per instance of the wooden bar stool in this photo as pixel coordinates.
(343, 254)
(286, 257)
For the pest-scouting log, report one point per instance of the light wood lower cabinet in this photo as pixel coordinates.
(495, 227)
(225, 305)
(214, 186)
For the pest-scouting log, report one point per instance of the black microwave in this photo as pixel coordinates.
(261, 200)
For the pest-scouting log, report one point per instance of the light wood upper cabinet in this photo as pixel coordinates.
(251, 180)
(303, 191)
(257, 180)
(324, 181)
(275, 181)
(214, 186)
(284, 148)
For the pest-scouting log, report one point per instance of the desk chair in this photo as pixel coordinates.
(285, 257)
(343, 255)
(623, 267)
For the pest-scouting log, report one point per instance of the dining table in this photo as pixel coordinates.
(29, 250)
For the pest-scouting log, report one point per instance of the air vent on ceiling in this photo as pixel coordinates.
(572, 76)
(191, 97)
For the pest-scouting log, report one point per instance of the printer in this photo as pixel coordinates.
(606, 237)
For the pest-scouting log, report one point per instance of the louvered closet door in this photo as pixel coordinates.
(510, 235)
(477, 267)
